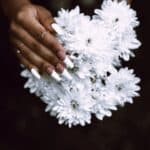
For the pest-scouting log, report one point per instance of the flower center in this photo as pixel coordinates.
(88, 41)
(117, 19)
(119, 87)
(74, 104)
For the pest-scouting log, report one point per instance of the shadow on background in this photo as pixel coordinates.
(24, 124)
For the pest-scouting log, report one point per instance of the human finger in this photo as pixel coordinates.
(34, 70)
(32, 43)
(30, 55)
(35, 28)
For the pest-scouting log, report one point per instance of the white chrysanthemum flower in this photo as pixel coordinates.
(117, 14)
(65, 17)
(127, 44)
(32, 83)
(74, 107)
(124, 84)
(69, 20)
(102, 69)
(88, 40)
(50, 92)
(105, 101)
(84, 71)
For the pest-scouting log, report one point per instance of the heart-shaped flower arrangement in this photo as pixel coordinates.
(96, 45)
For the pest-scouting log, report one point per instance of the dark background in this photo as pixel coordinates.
(24, 124)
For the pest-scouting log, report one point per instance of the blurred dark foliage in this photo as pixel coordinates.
(24, 124)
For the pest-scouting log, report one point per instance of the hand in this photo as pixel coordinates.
(33, 37)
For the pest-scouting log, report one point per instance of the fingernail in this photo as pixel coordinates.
(66, 74)
(35, 73)
(61, 54)
(55, 76)
(68, 62)
(57, 28)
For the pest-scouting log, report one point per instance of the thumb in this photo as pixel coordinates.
(45, 18)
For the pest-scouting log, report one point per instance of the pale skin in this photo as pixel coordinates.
(32, 34)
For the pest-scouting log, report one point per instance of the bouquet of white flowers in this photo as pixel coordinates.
(96, 45)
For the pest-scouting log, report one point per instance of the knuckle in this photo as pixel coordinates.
(35, 45)
(20, 16)
(39, 48)
(54, 44)
(44, 35)
(28, 54)
(40, 35)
